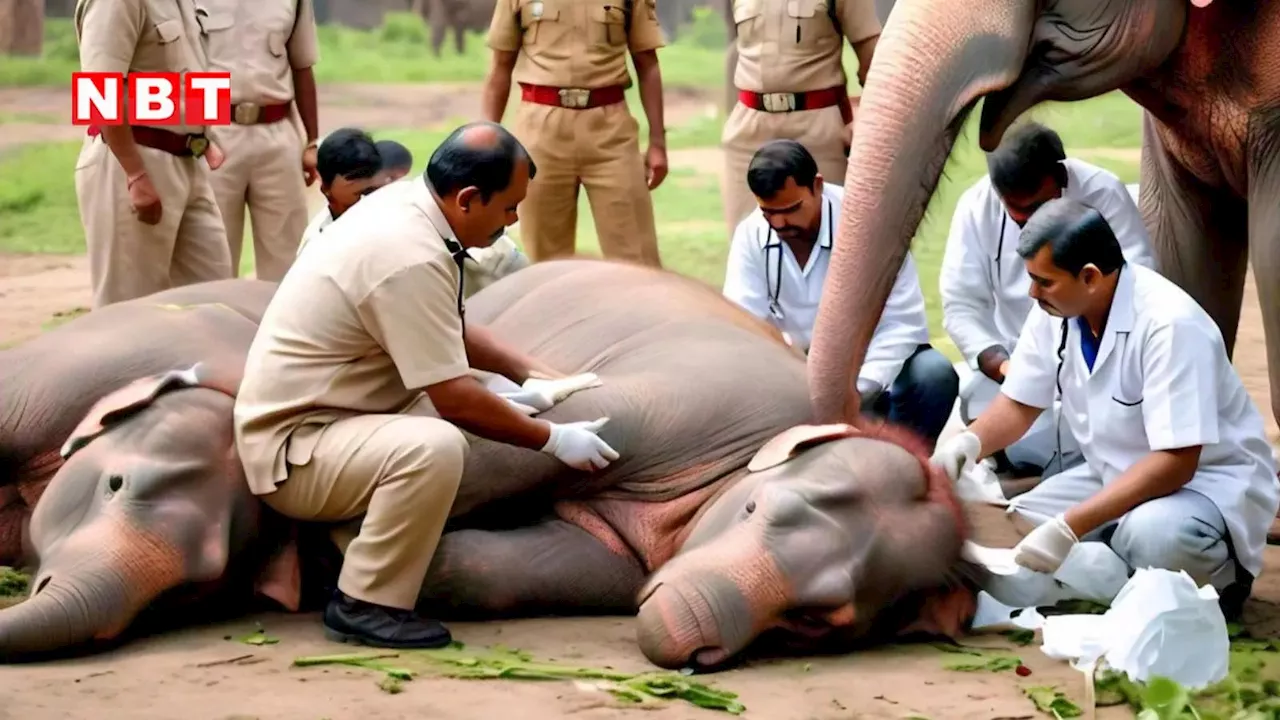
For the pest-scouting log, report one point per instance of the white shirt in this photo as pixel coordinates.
(755, 257)
(322, 220)
(1161, 380)
(983, 281)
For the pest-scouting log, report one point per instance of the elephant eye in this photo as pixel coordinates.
(751, 506)
(114, 483)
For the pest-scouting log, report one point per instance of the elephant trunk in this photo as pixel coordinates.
(933, 61)
(90, 588)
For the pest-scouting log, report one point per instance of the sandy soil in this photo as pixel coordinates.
(199, 673)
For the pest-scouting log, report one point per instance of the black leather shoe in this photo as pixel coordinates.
(349, 620)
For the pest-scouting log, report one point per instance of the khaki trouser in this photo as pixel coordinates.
(264, 169)
(821, 132)
(130, 259)
(599, 148)
(401, 472)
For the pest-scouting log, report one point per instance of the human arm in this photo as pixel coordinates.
(486, 352)
(861, 27)
(303, 49)
(643, 40)
(504, 39)
(902, 329)
(1179, 415)
(967, 290)
(1113, 201)
(744, 277)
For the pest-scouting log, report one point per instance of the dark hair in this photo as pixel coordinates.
(348, 152)
(1028, 154)
(394, 155)
(776, 161)
(1076, 235)
(458, 162)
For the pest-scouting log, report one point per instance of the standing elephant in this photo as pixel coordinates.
(726, 517)
(1207, 73)
(461, 16)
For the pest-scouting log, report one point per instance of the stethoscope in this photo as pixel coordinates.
(775, 289)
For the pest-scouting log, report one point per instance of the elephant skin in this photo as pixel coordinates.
(460, 16)
(1207, 74)
(49, 383)
(726, 519)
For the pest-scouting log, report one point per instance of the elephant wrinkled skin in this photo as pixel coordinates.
(1207, 74)
(725, 519)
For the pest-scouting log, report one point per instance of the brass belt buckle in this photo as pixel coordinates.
(778, 102)
(247, 113)
(574, 97)
(197, 144)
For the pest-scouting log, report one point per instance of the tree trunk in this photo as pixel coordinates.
(21, 27)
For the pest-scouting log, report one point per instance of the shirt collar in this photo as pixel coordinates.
(430, 207)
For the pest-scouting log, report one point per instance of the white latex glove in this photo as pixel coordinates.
(957, 454)
(521, 407)
(543, 394)
(1045, 548)
(577, 445)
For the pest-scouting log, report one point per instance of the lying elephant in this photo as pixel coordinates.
(724, 520)
(1205, 72)
(48, 384)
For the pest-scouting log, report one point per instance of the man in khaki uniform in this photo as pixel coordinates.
(149, 214)
(357, 386)
(570, 59)
(791, 85)
(269, 47)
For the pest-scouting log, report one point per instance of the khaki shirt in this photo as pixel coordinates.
(792, 45)
(322, 220)
(141, 35)
(360, 324)
(573, 43)
(261, 43)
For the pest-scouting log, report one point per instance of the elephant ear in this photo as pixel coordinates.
(788, 443)
(137, 395)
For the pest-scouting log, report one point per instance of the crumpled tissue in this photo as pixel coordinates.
(979, 483)
(1092, 571)
(1159, 624)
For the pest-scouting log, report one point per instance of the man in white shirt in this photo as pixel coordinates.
(777, 268)
(984, 283)
(350, 167)
(1177, 471)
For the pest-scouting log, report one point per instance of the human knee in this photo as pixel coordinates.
(437, 452)
(1155, 535)
(933, 374)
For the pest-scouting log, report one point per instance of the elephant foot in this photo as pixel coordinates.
(553, 568)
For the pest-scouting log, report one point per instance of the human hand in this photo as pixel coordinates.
(655, 164)
(144, 199)
(214, 156)
(543, 394)
(848, 137)
(578, 446)
(1045, 548)
(957, 454)
(1004, 369)
(521, 407)
(309, 172)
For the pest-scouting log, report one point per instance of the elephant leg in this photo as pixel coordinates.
(1264, 247)
(1200, 235)
(552, 568)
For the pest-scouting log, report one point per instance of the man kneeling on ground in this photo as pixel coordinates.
(777, 268)
(1177, 471)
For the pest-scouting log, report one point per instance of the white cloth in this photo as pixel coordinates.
(983, 281)
(318, 223)
(755, 257)
(1162, 380)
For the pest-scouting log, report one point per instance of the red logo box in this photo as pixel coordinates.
(160, 98)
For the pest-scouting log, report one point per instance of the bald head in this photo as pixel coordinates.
(483, 155)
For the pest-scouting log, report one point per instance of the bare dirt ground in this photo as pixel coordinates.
(171, 675)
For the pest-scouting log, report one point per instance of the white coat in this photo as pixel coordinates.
(983, 281)
(752, 278)
(1161, 381)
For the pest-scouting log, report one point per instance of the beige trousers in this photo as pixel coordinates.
(821, 132)
(130, 259)
(401, 472)
(598, 148)
(263, 170)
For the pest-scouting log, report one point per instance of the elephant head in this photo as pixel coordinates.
(149, 510)
(933, 63)
(833, 535)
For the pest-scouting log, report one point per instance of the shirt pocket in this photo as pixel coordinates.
(747, 18)
(609, 25)
(538, 21)
(807, 25)
(220, 40)
(169, 38)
